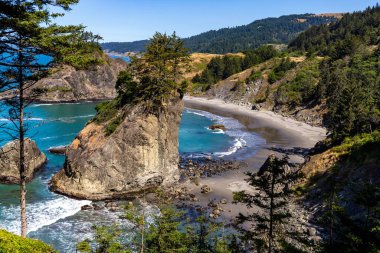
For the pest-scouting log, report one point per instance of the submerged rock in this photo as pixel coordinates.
(140, 155)
(9, 161)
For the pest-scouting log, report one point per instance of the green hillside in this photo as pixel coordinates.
(241, 38)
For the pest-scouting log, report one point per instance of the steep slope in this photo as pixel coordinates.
(236, 39)
(67, 84)
(255, 89)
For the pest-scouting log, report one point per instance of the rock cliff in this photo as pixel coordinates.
(141, 154)
(68, 85)
(9, 160)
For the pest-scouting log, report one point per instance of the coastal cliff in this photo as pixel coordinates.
(67, 84)
(141, 153)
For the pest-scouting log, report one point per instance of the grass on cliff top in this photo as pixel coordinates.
(11, 243)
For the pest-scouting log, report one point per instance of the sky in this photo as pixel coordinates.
(130, 20)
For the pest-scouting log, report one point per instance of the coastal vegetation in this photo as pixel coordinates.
(151, 80)
(329, 72)
(220, 68)
(16, 244)
(27, 33)
(279, 30)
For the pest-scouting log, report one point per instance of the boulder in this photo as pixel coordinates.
(140, 155)
(59, 150)
(9, 161)
(217, 127)
(205, 189)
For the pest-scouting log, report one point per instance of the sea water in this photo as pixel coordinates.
(58, 220)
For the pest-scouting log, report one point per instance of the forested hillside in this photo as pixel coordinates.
(241, 38)
(329, 76)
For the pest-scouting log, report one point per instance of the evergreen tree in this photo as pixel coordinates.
(271, 183)
(26, 33)
(157, 76)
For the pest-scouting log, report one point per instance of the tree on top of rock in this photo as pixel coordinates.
(156, 76)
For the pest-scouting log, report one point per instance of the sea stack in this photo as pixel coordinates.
(139, 155)
(9, 161)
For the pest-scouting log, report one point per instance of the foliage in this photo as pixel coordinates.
(279, 71)
(254, 76)
(220, 68)
(302, 89)
(349, 233)
(10, 243)
(238, 39)
(106, 111)
(27, 33)
(170, 231)
(342, 38)
(262, 229)
(108, 239)
(155, 78)
(352, 92)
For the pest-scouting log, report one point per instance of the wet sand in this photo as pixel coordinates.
(280, 133)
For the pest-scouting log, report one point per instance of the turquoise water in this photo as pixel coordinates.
(58, 220)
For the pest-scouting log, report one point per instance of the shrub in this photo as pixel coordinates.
(10, 243)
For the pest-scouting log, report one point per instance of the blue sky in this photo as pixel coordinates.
(129, 20)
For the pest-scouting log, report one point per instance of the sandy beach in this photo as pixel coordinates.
(280, 133)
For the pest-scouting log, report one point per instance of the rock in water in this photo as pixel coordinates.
(9, 161)
(217, 127)
(59, 150)
(141, 154)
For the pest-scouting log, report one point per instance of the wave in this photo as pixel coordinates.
(238, 144)
(38, 105)
(40, 214)
(71, 119)
(26, 119)
(58, 136)
(242, 137)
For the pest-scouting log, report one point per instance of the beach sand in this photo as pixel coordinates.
(280, 133)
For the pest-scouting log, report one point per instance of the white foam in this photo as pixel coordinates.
(215, 131)
(27, 119)
(57, 136)
(238, 144)
(38, 105)
(40, 214)
(76, 117)
(242, 138)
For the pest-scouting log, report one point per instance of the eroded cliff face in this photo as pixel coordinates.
(69, 85)
(9, 161)
(141, 154)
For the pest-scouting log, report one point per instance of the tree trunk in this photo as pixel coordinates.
(22, 151)
(271, 216)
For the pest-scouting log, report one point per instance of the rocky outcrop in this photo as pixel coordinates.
(68, 85)
(9, 161)
(59, 150)
(141, 154)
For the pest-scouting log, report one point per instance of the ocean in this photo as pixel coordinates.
(58, 220)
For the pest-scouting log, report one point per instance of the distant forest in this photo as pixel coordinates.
(280, 30)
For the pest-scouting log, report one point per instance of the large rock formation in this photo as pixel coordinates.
(9, 161)
(142, 153)
(68, 84)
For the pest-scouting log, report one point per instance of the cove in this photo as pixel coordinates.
(58, 220)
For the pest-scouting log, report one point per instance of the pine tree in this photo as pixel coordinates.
(26, 33)
(271, 183)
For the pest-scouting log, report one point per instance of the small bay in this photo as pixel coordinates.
(51, 125)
